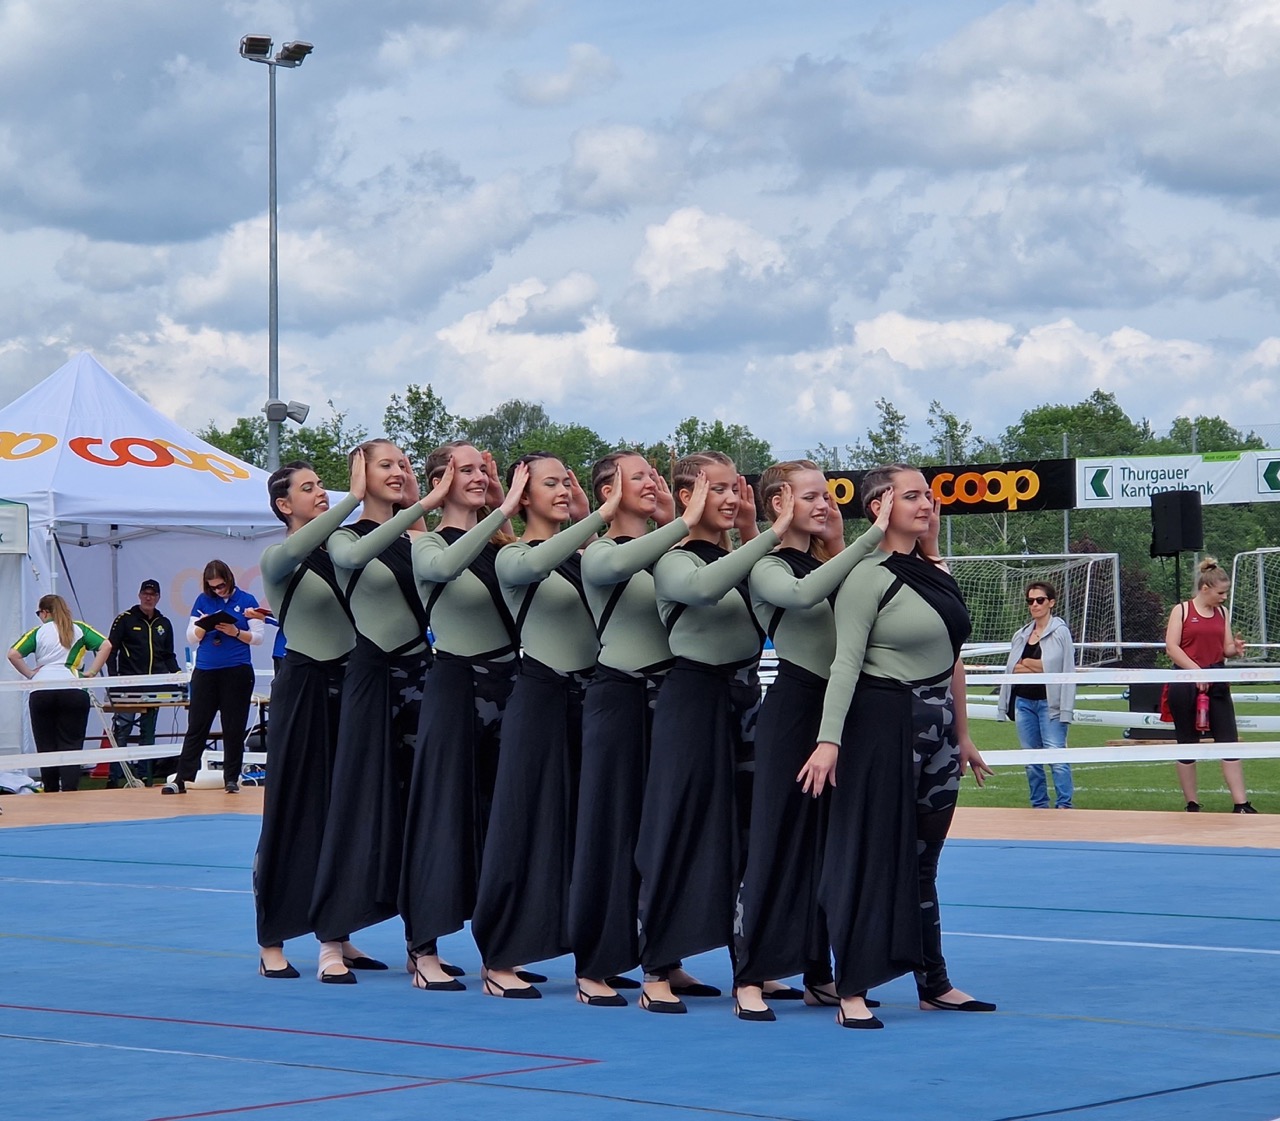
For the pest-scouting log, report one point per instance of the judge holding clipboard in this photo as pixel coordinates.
(222, 681)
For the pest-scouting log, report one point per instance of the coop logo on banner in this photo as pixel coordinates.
(137, 451)
(980, 488)
(1220, 477)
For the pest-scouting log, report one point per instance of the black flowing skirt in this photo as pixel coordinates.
(358, 878)
(617, 723)
(689, 848)
(779, 930)
(869, 884)
(522, 904)
(454, 768)
(301, 742)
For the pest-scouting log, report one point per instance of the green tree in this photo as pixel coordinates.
(749, 453)
(505, 429)
(418, 423)
(888, 443)
(1096, 426)
(576, 446)
(1204, 434)
(325, 447)
(953, 441)
(246, 439)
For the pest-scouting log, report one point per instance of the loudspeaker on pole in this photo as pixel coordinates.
(1177, 525)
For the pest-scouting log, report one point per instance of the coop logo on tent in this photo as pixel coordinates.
(136, 450)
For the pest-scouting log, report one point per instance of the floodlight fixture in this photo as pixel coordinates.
(292, 54)
(256, 48)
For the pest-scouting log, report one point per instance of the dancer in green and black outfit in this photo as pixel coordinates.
(903, 744)
(456, 755)
(358, 877)
(522, 906)
(299, 580)
(697, 793)
(779, 929)
(617, 717)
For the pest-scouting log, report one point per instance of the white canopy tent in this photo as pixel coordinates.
(117, 493)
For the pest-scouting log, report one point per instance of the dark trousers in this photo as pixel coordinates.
(58, 721)
(226, 693)
(122, 725)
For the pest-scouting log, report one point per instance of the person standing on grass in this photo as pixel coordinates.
(1198, 637)
(1042, 712)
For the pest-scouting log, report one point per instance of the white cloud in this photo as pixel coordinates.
(712, 281)
(612, 167)
(589, 70)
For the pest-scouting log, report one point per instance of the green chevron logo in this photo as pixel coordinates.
(1268, 476)
(1100, 483)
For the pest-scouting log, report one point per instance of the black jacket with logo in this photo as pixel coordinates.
(140, 645)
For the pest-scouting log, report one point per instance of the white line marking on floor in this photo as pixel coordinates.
(1112, 942)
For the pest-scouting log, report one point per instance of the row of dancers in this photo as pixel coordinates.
(579, 760)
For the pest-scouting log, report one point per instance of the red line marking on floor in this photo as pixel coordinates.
(570, 1060)
(354, 1094)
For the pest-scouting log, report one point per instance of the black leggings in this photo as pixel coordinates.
(58, 721)
(222, 692)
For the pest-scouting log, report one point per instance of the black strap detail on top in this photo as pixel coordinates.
(398, 558)
(892, 591)
(484, 569)
(801, 564)
(708, 553)
(319, 562)
(938, 589)
(610, 606)
(569, 569)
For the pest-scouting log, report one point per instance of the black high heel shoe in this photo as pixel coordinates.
(492, 988)
(962, 1006)
(420, 982)
(288, 972)
(617, 1000)
(755, 1015)
(857, 1022)
(820, 998)
(670, 1007)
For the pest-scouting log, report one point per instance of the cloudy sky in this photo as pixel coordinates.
(635, 212)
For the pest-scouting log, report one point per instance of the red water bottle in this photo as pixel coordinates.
(1202, 712)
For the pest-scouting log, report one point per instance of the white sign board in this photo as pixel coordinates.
(1220, 477)
(13, 527)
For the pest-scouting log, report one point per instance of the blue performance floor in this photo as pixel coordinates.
(1134, 982)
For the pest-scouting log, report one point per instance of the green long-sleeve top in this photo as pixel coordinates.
(716, 626)
(318, 625)
(464, 619)
(634, 638)
(906, 640)
(558, 630)
(377, 603)
(806, 632)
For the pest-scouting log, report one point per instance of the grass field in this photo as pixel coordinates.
(1125, 786)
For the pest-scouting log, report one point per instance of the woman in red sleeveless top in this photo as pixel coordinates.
(1197, 637)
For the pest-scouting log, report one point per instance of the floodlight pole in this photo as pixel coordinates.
(257, 48)
(273, 281)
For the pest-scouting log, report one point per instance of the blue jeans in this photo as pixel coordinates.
(1036, 728)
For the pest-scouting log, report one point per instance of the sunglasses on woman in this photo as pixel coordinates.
(1037, 599)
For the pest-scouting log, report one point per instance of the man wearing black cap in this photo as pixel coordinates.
(141, 643)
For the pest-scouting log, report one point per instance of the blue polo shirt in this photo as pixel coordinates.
(217, 650)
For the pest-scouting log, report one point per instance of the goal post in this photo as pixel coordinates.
(1255, 603)
(1088, 586)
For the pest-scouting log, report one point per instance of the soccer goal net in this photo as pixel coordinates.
(1255, 603)
(1088, 586)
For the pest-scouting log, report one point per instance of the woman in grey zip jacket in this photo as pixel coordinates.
(1042, 712)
